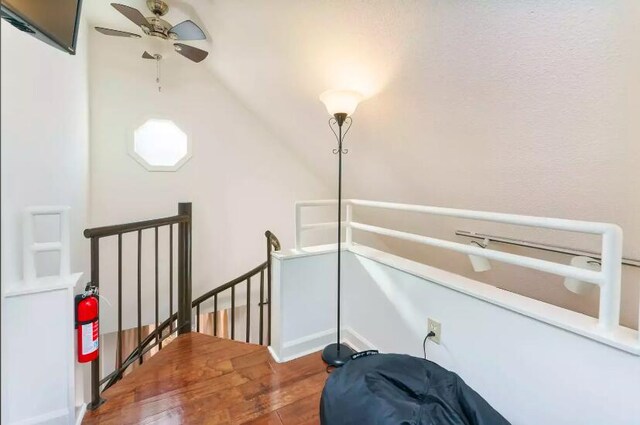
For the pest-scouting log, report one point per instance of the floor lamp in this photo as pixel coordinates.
(340, 105)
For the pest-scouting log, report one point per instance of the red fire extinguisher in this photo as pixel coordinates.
(87, 324)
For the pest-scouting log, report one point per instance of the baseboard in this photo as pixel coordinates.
(55, 417)
(356, 341)
(80, 411)
(302, 346)
(316, 342)
(274, 355)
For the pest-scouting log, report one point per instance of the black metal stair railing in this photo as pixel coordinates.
(260, 270)
(183, 316)
(273, 244)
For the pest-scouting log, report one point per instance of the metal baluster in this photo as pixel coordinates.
(198, 318)
(157, 291)
(215, 315)
(233, 310)
(170, 278)
(248, 310)
(119, 355)
(140, 293)
(261, 305)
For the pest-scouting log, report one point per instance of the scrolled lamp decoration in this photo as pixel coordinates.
(340, 135)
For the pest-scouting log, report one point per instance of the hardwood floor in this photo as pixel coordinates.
(200, 379)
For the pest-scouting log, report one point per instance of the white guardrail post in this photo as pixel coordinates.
(348, 228)
(609, 314)
(298, 219)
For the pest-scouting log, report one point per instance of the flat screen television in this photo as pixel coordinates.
(53, 21)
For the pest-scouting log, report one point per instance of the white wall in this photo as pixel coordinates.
(526, 107)
(45, 140)
(241, 179)
(530, 371)
(303, 314)
(45, 148)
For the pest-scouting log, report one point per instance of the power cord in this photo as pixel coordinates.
(424, 343)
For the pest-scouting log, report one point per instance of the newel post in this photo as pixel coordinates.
(96, 400)
(272, 244)
(269, 247)
(184, 269)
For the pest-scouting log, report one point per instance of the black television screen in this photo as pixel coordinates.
(52, 21)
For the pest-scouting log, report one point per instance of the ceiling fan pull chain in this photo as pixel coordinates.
(158, 76)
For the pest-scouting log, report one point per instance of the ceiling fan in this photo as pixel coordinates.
(155, 26)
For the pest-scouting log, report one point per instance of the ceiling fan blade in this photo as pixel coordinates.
(116, 33)
(192, 53)
(132, 14)
(147, 55)
(187, 30)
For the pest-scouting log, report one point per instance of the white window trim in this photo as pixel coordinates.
(162, 168)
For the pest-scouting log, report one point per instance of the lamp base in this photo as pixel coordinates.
(337, 355)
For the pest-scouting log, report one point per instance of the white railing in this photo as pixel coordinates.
(608, 278)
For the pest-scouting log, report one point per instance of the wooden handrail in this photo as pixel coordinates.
(117, 229)
(242, 278)
(273, 240)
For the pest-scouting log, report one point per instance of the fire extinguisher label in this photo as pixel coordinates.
(89, 338)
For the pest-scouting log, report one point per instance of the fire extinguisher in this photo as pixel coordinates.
(86, 305)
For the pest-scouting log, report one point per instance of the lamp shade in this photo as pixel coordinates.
(340, 101)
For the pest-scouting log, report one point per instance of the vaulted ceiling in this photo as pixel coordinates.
(512, 106)
(458, 92)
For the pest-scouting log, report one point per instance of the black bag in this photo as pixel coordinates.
(399, 389)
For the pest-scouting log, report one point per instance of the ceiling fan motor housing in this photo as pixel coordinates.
(158, 7)
(158, 28)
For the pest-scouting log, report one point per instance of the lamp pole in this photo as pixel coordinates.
(338, 354)
(340, 105)
(340, 120)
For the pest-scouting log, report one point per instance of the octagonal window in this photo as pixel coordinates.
(160, 145)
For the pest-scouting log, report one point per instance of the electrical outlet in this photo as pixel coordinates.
(433, 326)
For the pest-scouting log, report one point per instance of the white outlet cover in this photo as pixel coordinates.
(435, 326)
